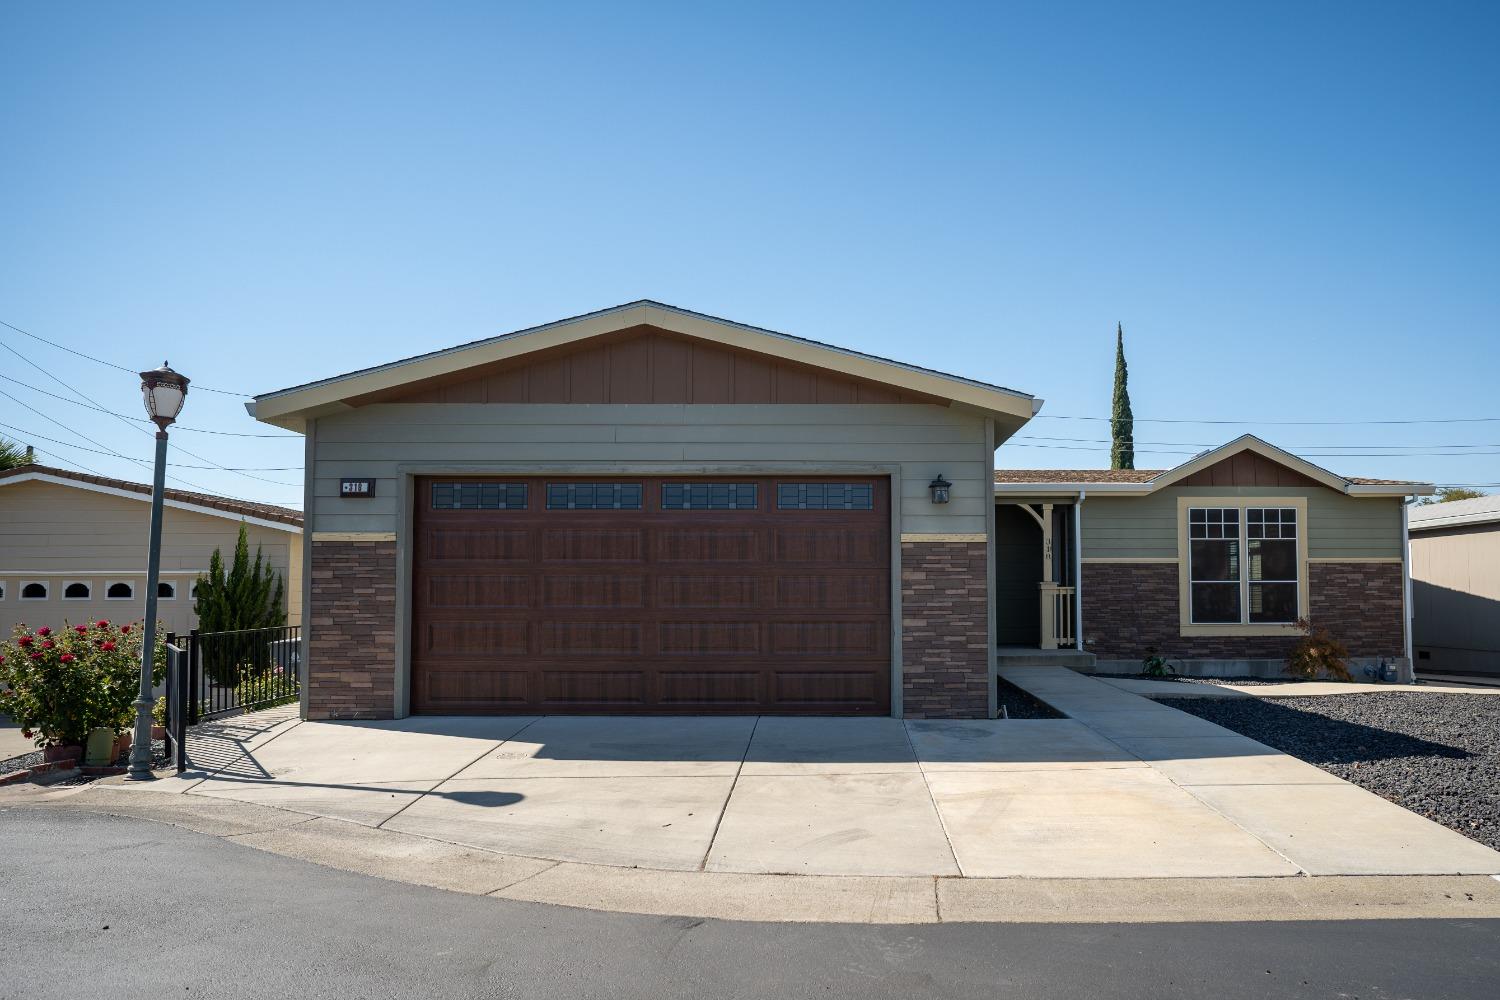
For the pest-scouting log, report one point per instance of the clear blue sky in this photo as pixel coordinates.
(1292, 208)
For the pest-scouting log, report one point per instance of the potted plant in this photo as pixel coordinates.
(61, 685)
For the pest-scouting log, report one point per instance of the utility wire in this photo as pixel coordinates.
(27, 437)
(1278, 423)
(1194, 444)
(124, 420)
(144, 420)
(109, 364)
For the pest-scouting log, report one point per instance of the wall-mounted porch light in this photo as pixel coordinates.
(940, 488)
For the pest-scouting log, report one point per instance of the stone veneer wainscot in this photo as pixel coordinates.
(352, 644)
(945, 663)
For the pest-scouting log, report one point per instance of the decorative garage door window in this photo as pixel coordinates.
(709, 496)
(1243, 570)
(479, 496)
(825, 496)
(594, 496)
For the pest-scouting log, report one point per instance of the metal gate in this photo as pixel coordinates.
(213, 675)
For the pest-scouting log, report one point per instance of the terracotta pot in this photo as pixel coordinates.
(123, 743)
(54, 754)
(158, 732)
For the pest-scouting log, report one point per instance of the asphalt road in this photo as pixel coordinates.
(95, 906)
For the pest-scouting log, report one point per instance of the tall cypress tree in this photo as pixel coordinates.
(1121, 420)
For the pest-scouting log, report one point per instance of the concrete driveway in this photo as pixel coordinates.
(1124, 788)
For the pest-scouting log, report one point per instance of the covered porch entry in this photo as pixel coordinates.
(1036, 573)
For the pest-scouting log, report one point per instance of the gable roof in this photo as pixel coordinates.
(264, 514)
(291, 407)
(1144, 481)
(1454, 514)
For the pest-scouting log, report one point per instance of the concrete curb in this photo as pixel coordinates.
(416, 860)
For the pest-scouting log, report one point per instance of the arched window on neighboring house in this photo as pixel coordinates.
(77, 591)
(34, 591)
(120, 591)
(166, 591)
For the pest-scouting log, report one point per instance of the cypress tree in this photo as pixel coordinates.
(1121, 420)
(249, 595)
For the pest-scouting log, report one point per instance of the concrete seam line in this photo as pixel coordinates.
(734, 783)
(524, 878)
(932, 800)
(443, 781)
(272, 829)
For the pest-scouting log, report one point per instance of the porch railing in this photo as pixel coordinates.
(1057, 616)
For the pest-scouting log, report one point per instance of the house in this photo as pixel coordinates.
(1209, 564)
(73, 547)
(649, 510)
(1455, 570)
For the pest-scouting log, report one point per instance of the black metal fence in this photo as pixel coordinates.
(217, 674)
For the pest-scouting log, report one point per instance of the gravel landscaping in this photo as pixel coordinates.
(1015, 703)
(1436, 754)
(1238, 681)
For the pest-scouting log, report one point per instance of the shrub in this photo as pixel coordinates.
(263, 687)
(1318, 654)
(1156, 665)
(249, 595)
(60, 685)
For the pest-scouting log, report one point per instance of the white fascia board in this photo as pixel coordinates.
(1390, 490)
(42, 477)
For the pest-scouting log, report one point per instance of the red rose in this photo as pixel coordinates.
(25, 640)
(107, 646)
(26, 733)
(48, 644)
(44, 631)
(67, 657)
(80, 629)
(124, 629)
(36, 656)
(101, 623)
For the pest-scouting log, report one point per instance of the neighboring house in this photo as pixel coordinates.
(1455, 570)
(1209, 564)
(73, 547)
(649, 510)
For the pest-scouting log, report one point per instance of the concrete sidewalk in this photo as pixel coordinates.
(1292, 689)
(1124, 788)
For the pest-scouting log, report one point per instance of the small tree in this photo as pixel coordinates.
(12, 455)
(1445, 494)
(249, 596)
(1121, 420)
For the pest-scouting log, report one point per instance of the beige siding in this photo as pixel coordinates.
(385, 441)
(1456, 598)
(60, 534)
(1339, 526)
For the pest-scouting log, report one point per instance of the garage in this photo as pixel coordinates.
(643, 595)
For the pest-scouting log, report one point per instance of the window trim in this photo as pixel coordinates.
(1186, 626)
(46, 590)
(166, 583)
(73, 583)
(108, 584)
(4, 589)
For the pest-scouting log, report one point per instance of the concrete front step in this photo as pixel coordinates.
(1073, 659)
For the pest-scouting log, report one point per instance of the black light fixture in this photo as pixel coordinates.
(940, 488)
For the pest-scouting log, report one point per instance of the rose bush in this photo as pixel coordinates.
(59, 686)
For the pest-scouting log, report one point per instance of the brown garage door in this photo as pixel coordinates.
(634, 595)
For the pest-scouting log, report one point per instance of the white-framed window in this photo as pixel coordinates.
(77, 590)
(166, 591)
(119, 590)
(34, 590)
(1244, 565)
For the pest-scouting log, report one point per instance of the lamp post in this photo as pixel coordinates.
(163, 391)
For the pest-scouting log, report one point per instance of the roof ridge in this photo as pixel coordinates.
(248, 508)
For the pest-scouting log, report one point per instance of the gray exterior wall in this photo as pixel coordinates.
(1339, 526)
(918, 441)
(1456, 599)
(59, 534)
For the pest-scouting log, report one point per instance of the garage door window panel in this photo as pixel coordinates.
(594, 496)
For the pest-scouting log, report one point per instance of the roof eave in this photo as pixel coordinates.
(288, 407)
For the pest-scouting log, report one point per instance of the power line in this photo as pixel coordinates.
(1295, 448)
(109, 364)
(125, 416)
(123, 419)
(1300, 454)
(28, 436)
(1277, 423)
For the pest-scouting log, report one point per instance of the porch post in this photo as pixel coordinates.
(1048, 585)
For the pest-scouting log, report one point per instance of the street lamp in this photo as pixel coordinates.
(163, 391)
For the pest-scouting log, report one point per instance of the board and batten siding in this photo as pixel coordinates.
(58, 534)
(386, 441)
(1145, 527)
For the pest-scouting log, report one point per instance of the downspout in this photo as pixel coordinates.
(1411, 660)
(1078, 571)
